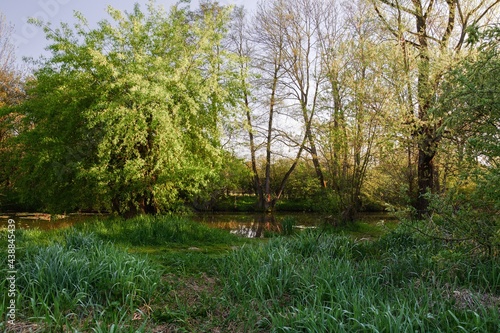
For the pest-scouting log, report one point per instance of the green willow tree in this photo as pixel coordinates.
(127, 117)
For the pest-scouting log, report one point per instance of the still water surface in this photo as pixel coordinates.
(243, 224)
(258, 225)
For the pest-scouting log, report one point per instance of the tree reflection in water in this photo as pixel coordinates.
(245, 225)
(260, 225)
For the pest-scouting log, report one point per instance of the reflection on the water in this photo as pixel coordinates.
(256, 225)
(253, 226)
(260, 225)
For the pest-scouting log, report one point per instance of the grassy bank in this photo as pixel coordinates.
(400, 283)
(160, 274)
(107, 275)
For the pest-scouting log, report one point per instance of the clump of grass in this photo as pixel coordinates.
(287, 225)
(83, 281)
(331, 283)
(158, 230)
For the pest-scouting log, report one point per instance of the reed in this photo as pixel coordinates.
(287, 225)
(146, 230)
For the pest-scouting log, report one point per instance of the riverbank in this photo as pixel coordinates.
(158, 274)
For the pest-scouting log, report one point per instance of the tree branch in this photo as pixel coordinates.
(451, 22)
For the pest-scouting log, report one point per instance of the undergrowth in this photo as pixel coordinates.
(96, 278)
(330, 283)
(81, 282)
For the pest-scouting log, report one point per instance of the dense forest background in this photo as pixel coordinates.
(337, 106)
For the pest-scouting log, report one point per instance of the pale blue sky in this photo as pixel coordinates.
(30, 40)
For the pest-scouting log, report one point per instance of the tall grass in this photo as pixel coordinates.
(323, 283)
(77, 279)
(287, 225)
(82, 281)
(313, 281)
(157, 230)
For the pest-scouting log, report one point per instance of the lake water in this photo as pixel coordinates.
(243, 224)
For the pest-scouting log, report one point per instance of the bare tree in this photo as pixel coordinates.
(308, 22)
(241, 45)
(11, 88)
(280, 70)
(355, 102)
(287, 60)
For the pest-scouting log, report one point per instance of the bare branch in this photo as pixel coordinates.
(399, 6)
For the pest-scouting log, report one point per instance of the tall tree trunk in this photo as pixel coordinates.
(244, 54)
(431, 33)
(267, 203)
(425, 135)
(257, 185)
(426, 153)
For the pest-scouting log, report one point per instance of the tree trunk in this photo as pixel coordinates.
(426, 153)
(316, 163)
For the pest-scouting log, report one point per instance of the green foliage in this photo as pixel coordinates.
(471, 97)
(303, 182)
(235, 175)
(321, 201)
(81, 281)
(127, 116)
(235, 203)
(157, 230)
(469, 210)
(469, 216)
(233, 180)
(323, 283)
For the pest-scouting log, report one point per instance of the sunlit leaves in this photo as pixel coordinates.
(141, 97)
(472, 96)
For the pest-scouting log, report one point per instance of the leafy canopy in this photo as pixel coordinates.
(127, 116)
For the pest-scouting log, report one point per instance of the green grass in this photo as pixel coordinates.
(81, 281)
(330, 283)
(236, 204)
(168, 273)
(109, 275)
(149, 231)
